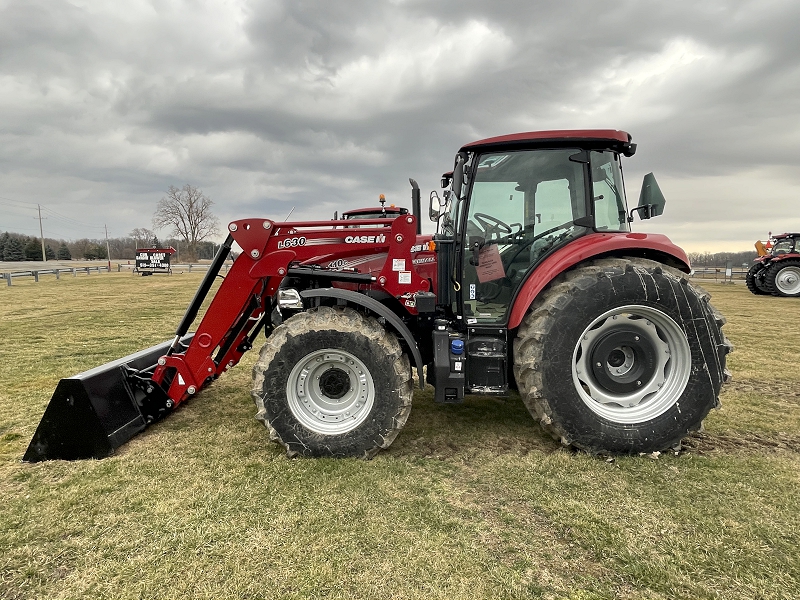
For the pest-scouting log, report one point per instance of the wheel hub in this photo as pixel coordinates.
(631, 364)
(788, 280)
(334, 383)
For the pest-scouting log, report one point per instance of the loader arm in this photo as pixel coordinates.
(243, 303)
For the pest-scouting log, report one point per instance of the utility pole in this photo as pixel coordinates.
(41, 233)
(108, 250)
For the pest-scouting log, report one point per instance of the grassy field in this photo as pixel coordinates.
(471, 501)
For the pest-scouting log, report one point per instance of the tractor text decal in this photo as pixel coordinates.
(292, 242)
(365, 239)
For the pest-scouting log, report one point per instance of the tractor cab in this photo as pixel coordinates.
(514, 200)
(787, 243)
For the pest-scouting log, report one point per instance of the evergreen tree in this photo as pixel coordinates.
(33, 250)
(48, 252)
(63, 252)
(155, 243)
(13, 250)
(3, 241)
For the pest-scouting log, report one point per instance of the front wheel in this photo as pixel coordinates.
(331, 382)
(621, 356)
(754, 280)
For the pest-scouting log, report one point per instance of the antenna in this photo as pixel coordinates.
(289, 215)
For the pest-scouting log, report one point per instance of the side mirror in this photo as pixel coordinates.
(433, 213)
(651, 200)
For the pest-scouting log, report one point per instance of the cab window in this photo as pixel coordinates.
(608, 192)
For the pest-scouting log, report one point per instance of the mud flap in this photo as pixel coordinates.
(93, 413)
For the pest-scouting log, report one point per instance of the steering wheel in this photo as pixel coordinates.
(492, 225)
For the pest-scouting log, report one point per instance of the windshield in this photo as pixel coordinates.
(784, 246)
(610, 212)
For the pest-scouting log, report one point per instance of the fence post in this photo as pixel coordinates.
(74, 272)
(8, 276)
(58, 274)
(36, 276)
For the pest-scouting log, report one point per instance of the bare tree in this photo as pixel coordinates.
(187, 212)
(142, 236)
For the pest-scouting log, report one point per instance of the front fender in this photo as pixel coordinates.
(380, 310)
(646, 245)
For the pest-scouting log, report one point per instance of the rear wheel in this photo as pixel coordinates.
(755, 279)
(331, 382)
(783, 278)
(622, 356)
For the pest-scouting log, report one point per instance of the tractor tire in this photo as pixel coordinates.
(783, 278)
(331, 382)
(755, 280)
(621, 356)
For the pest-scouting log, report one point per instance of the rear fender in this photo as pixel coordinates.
(653, 246)
(379, 309)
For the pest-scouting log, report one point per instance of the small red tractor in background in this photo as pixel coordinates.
(776, 271)
(533, 282)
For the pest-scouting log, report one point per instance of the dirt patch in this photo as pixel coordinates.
(707, 443)
(788, 389)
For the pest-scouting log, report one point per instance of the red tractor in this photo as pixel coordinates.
(776, 271)
(533, 282)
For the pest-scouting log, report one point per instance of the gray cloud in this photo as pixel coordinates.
(322, 105)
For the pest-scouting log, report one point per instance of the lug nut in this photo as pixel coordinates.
(191, 390)
(255, 253)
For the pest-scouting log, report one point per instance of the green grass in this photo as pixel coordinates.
(471, 501)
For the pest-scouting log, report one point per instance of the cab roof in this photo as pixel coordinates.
(612, 139)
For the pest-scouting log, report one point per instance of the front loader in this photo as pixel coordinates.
(533, 282)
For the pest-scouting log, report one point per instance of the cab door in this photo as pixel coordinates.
(521, 205)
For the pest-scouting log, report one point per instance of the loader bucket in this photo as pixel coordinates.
(93, 413)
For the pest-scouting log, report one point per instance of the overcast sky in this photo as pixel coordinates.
(320, 106)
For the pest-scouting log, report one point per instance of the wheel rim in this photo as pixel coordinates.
(330, 391)
(631, 364)
(788, 280)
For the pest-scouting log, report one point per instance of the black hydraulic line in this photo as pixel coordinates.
(201, 293)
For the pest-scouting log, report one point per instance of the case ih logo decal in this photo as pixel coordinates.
(365, 239)
(292, 242)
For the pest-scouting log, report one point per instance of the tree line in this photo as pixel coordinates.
(721, 259)
(17, 247)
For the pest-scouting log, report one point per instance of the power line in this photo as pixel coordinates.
(70, 219)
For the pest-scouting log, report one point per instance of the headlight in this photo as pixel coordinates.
(289, 298)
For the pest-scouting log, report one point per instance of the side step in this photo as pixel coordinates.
(93, 413)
